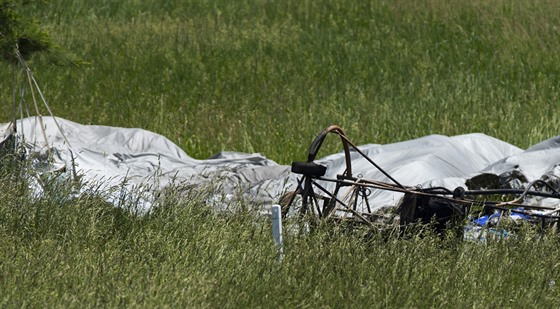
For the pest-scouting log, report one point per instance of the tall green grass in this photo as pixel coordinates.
(266, 76)
(86, 253)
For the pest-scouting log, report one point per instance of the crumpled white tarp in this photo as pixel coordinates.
(128, 158)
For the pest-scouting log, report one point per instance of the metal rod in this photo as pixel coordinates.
(371, 161)
(511, 191)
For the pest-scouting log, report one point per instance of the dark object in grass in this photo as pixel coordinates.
(440, 213)
(309, 168)
(346, 197)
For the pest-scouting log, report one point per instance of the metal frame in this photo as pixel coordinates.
(460, 201)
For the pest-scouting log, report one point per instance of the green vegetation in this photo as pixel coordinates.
(86, 253)
(18, 33)
(266, 76)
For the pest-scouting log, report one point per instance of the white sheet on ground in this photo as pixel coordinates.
(127, 158)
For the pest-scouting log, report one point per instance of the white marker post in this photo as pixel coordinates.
(277, 229)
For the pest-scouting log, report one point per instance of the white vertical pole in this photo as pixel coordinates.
(277, 229)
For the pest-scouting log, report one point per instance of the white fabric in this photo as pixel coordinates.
(131, 158)
(429, 161)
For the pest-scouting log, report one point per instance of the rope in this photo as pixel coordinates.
(34, 85)
(50, 112)
(14, 113)
(38, 113)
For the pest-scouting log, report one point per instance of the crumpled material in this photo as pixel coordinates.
(135, 160)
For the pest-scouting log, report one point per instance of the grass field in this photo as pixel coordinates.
(266, 76)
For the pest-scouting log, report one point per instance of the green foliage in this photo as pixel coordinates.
(86, 253)
(267, 76)
(19, 33)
